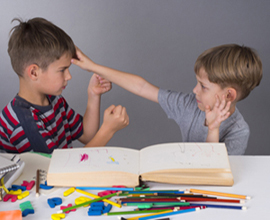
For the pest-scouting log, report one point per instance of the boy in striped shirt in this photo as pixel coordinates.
(39, 118)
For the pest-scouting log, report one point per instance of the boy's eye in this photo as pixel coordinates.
(203, 87)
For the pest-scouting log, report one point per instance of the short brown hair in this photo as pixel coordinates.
(232, 65)
(37, 41)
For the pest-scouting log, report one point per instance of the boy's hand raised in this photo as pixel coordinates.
(218, 114)
(83, 61)
(98, 85)
(115, 118)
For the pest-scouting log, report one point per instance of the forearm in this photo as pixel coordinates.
(101, 138)
(91, 119)
(132, 83)
(213, 135)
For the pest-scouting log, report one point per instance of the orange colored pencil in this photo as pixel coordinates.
(219, 194)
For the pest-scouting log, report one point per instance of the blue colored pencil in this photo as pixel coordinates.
(105, 188)
(168, 214)
(219, 206)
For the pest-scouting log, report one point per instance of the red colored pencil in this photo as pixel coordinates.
(211, 200)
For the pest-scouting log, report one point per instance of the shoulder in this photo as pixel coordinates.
(238, 122)
(168, 97)
(235, 127)
(12, 112)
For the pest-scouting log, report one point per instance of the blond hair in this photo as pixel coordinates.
(232, 65)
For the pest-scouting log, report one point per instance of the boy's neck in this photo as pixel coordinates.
(232, 109)
(32, 96)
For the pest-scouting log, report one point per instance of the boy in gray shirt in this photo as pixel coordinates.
(225, 75)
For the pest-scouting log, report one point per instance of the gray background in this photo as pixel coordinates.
(159, 40)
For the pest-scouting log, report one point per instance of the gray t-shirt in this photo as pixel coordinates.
(183, 109)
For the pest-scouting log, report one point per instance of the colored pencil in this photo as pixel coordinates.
(88, 202)
(158, 203)
(136, 212)
(126, 200)
(157, 215)
(220, 206)
(163, 219)
(184, 194)
(156, 191)
(211, 200)
(176, 207)
(136, 217)
(105, 188)
(37, 183)
(95, 196)
(219, 194)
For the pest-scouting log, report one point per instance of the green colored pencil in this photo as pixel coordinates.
(136, 212)
(89, 202)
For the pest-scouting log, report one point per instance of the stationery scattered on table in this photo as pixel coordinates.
(37, 183)
(11, 166)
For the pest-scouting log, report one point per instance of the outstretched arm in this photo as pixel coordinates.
(132, 83)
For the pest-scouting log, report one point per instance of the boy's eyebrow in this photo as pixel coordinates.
(64, 67)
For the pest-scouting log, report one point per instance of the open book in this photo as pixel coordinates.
(175, 163)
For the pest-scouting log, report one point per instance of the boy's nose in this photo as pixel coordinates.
(195, 89)
(68, 75)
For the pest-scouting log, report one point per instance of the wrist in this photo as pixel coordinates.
(106, 132)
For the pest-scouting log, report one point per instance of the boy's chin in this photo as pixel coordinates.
(201, 108)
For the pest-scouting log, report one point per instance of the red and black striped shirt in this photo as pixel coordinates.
(28, 127)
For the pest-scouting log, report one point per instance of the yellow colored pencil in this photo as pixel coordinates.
(141, 216)
(219, 194)
(95, 196)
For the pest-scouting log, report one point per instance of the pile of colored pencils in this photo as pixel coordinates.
(160, 203)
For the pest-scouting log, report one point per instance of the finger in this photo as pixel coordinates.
(207, 109)
(110, 109)
(106, 85)
(222, 103)
(118, 110)
(217, 101)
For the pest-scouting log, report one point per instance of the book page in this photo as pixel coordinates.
(95, 159)
(184, 156)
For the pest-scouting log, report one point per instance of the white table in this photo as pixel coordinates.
(251, 177)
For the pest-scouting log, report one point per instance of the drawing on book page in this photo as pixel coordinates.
(183, 155)
(109, 158)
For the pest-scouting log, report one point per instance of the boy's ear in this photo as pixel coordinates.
(32, 71)
(231, 94)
